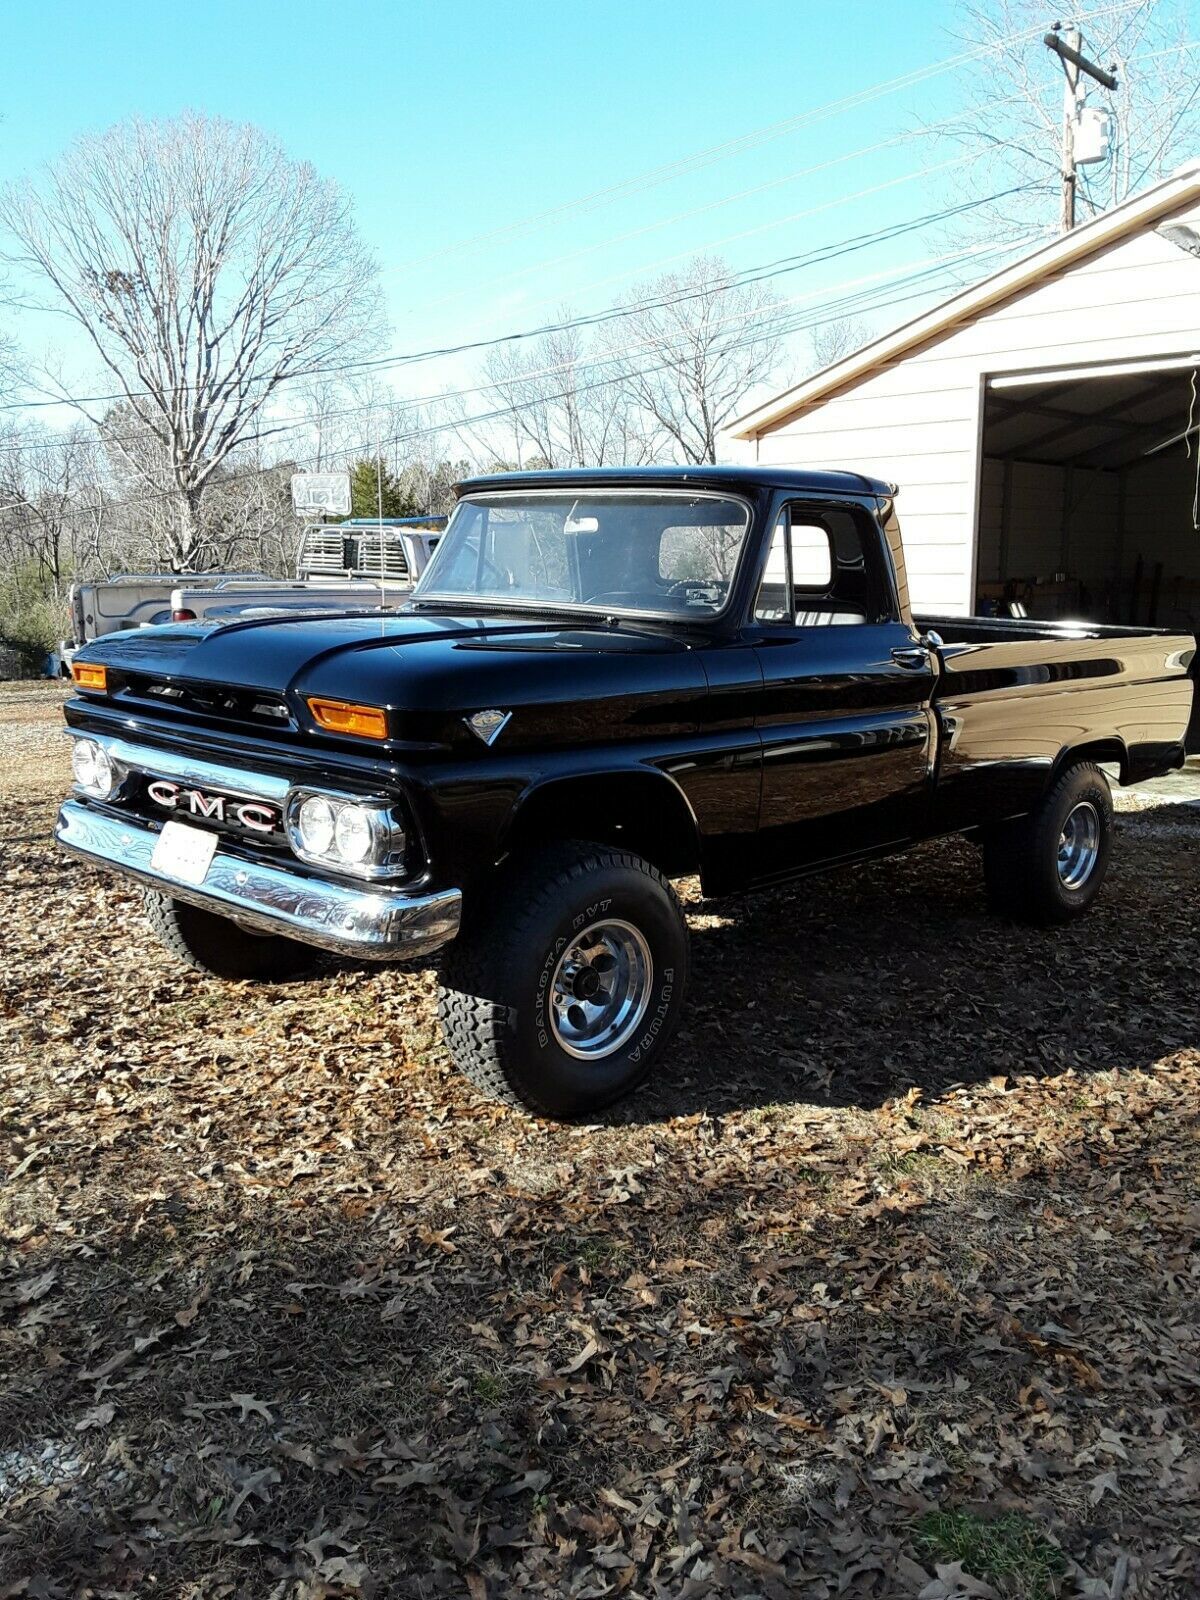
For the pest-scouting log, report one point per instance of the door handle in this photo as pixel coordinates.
(913, 656)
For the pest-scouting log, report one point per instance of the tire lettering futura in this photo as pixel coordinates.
(659, 1017)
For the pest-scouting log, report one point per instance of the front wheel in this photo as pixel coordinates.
(221, 948)
(566, 990)
(1050, 865)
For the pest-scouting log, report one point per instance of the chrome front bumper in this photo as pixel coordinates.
(365, 920)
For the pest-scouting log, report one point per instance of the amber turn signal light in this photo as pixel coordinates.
(341, 716)
(89, 676)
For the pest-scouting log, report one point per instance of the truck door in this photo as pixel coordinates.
(848, 737)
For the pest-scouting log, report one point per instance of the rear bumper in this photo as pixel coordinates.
(367, 920)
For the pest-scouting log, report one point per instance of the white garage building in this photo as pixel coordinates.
(1042, 425)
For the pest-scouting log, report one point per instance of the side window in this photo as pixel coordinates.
(815, 574)
(812, 557)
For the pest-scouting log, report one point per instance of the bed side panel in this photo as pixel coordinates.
(1010, 711)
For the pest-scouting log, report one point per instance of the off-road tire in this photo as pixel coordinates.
(495, 986)
(1020, 858)
(217, 946)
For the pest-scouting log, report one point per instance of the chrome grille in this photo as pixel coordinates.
(209, 700)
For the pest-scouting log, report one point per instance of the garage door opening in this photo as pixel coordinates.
(1088, 490)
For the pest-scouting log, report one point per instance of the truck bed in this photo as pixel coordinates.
(1012, 695)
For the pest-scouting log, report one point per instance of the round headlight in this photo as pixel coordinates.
(83, 762)
(316, 823)
(352, 833)
(105, 779)
(92, 768)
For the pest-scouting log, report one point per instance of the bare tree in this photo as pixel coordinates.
(327, 404)
(53, 520)
(832, 341)
(1012, 121)
(206, 269)
(248, 519)
(249, 513)
(564, 403)
(695, 344)
(52, 505)
(430, 471)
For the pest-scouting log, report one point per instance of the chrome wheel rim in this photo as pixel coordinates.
(600, 990)
(1079, 845)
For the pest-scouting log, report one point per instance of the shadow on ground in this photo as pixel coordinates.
(850, 989)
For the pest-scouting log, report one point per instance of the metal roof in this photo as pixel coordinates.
(1079, 422)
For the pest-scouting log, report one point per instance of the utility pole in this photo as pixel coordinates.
(1068, 47)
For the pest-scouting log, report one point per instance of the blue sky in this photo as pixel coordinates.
(449, 122)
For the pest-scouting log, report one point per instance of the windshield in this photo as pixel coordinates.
(665, 554)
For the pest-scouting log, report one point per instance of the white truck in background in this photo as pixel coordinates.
(348, 566)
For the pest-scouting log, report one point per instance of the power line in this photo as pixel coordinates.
(715, 205)
(776, 320)
(680, 166)
(774, 315)
(657, 174)
(745, 233)
(811, 257)
(369, 448)
(1166, 138)
(921, 286)
(777, 268)
(755, 274)
(924, 131)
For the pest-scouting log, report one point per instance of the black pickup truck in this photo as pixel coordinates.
(604, 680)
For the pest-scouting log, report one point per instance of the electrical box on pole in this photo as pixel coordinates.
(1086, 130)
(1093, 135)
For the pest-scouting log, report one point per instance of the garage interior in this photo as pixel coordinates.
(1088, 496)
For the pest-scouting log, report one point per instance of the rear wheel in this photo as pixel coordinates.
(220, 947)
(564, 993)
(1050, 865)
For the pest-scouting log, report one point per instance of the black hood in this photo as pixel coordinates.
(427, 669)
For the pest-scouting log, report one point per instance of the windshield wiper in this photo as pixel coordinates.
(510, 608)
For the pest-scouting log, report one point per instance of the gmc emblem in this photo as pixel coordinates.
(255, 815)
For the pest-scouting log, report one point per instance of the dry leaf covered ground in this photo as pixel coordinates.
(886, 1287)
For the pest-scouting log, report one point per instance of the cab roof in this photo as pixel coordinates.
(741, 480)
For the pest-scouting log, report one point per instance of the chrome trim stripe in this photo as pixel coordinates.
(203, 773)
(377, 923)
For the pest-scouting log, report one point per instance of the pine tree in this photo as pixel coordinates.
(376, 491)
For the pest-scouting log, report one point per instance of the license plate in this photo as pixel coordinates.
(184, 853)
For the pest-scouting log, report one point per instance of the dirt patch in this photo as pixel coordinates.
(900, 1243)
